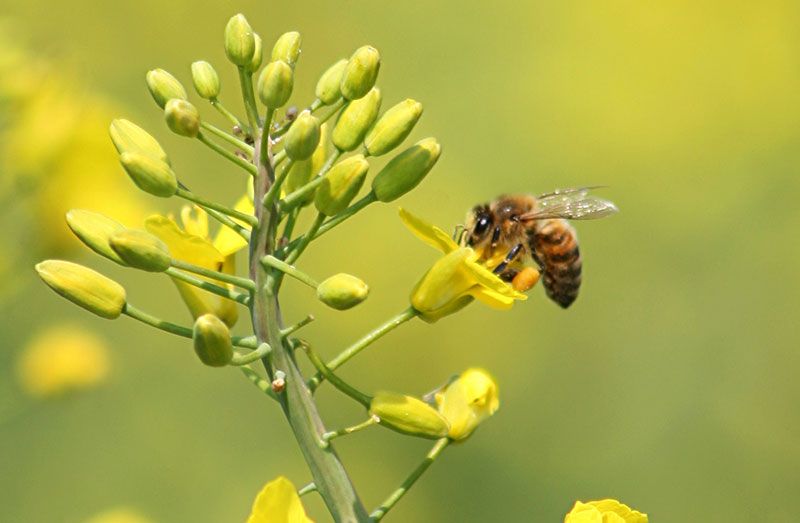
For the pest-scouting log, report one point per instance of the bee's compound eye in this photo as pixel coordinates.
(482, 224)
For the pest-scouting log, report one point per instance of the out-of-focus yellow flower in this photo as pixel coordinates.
(60, 359)
(455, 279)
(53, 146)
(467, 401)
(119, 515)
(604, 511)
(192, 244)
(278, 502)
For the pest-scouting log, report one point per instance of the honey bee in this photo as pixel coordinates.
(514, 232)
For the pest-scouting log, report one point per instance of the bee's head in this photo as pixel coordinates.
(480, 224)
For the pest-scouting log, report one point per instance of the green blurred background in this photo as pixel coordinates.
(671, 384)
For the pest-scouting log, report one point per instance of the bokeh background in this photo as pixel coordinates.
(671, 384)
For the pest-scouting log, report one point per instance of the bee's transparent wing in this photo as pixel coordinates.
(571, 204)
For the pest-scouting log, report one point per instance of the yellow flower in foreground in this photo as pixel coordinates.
(119, 515)
(61, 359)
(604, 511)
(278, 502)
(467, 401)
(456, 279)
(192, 244)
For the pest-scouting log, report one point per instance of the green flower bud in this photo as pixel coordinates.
(130, 138)
(341, 185)
(182, 118)
(408, 415)
(393, 127)
(205, 79)
(360, 72)
(84, 287)
(239, 40)
(303, 137)
(141, 250)
(355, 120)
(258, 55)
(150, 175)
(342, 291)
(406, 170)
(287, 48)
(328, 87)
(212, 341)
(301, 172)
(94, 230)
(164, 87)
(275, 84)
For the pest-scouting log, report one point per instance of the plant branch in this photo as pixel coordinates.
(225, 292)
(241, 162)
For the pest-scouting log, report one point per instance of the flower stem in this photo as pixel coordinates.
(262, 351)
(275, 188)
(226, 113)
(335, 380)
(349, 430)
(213, 129)
(311, 487)
(244, 283)
(395, 496)
(241, 162)
(202, 202)
(306, 239)
(362, 344)
(288, 331)
(262, 384)
(280, 131)
(179, 330)
(299, 195)
(291, 270)
(225, 292)
(246, 82)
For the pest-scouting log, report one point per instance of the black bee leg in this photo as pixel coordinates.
(509, 258)
(496, 236)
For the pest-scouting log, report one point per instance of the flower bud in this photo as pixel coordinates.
(393, 127)
(301, 172)
(150, 175)
(406, 170)
(303, 137)
(239, 40)
(355, 120)
(287, 48)
(182, 118)
(205, 79)
(360, 72)
(130, 138)
(164, 87)
(342, 291)
(141, 250)
(341, 185)
(467, 401)
(275, 84)
(408, 415)
(84, 287)
(328, 87)
(258, 54)
(94, 230)
(212, 341)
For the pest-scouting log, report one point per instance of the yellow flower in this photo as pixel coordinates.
(278, 502)
(455, 279)
(604, 511)
(60, 359)
(467, 401)
(119, 515)
(192, 244)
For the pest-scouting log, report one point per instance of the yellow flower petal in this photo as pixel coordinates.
(604, 511)
(278, 502)
(227, 241)
(430, 234)
(184, 245)
(467, 401)
(195, 220)
(444, 283)
(489, 280)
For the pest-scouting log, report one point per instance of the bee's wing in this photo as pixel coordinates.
(572, 204)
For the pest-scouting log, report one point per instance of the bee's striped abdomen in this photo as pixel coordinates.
(555, 245)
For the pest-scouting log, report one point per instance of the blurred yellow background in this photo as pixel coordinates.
(671, 384)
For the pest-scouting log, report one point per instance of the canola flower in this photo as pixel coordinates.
(119, 515)
(604, 511)
(291, 162)
(60, 359)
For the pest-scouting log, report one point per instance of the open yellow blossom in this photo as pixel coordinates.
(467, 401)
(61, 359)
(604, 511)
(278, 502)
(119, 515)
(455, 279)
(192, 244)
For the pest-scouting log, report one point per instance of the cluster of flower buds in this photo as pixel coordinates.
(317, 159)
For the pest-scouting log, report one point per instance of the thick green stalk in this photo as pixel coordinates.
(329, 475)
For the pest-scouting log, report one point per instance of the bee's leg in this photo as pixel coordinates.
(509, 258)
(496, 236)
